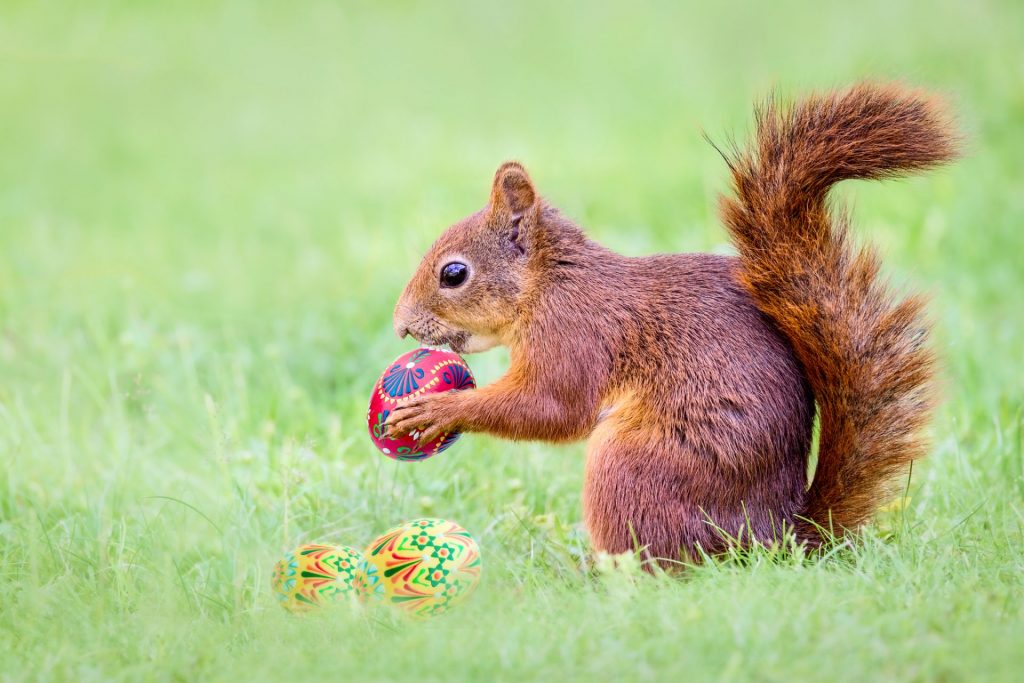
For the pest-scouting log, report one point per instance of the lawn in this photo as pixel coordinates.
(207, 212)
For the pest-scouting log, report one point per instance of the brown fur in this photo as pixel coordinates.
(695, 376)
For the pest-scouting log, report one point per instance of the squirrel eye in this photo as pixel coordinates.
(454, 274)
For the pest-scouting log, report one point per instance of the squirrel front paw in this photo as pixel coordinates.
(426, 417)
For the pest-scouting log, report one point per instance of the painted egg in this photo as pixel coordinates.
(424, 567)
(314, 575)
(423, 371)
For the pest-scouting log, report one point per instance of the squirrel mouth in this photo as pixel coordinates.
(456, 341)
(457, 345)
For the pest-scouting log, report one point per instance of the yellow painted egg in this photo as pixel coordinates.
(424, 567)
(314, 575)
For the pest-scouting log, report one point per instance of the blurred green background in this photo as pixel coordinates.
(207, 211)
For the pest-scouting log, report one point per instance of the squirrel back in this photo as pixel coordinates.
(863, 352)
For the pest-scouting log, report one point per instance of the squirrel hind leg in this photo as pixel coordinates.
(665, 502)
(630, 505)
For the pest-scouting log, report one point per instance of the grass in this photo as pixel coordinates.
(207, 211)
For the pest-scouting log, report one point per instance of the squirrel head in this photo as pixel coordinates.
(467, 289)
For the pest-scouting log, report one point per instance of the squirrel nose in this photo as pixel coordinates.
(402, 318)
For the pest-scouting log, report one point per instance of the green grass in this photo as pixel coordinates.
(206, 213)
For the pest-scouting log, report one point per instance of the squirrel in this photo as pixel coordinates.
(696, 377)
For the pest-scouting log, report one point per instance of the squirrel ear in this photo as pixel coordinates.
(512, 190)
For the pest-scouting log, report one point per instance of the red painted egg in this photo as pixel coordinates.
(423, 371)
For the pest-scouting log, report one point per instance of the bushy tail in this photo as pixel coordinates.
(863, 351)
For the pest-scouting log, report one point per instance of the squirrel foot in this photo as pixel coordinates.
(431, 415)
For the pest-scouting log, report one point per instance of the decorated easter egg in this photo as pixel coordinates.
(313, 575)
(423, 371)
(424, 567)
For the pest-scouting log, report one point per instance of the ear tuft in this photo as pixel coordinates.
(512, 189)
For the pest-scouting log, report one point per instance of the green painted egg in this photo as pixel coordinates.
(424, 567)
(313, 575)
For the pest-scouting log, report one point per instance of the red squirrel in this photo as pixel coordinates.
(696, 377)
